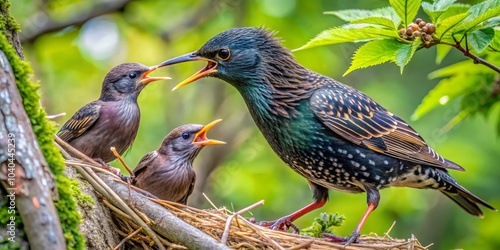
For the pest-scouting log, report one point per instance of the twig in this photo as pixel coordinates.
(30, 34)
(225, 235)
(50, 117)
(127, 238)
(143, 192)
(116, 210)
(467, 53)
(119, 157)
(209, 201)
(303, 245)
(386, 234)
(106, 191)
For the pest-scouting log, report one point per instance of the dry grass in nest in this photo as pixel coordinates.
(245, 235)
(221, 224)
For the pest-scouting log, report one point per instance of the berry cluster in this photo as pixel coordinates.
(418, 29)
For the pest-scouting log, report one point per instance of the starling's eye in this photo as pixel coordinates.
(132, 75)
(224, 54)
(185, 135)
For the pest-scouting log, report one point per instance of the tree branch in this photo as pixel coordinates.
(32, 32)
(476, 59)
(24, 172)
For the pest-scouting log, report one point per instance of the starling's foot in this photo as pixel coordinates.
(354, 237)
(282, 224)
(107, 167)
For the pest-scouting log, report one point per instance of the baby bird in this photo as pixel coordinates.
(167, 172)
(112, 120)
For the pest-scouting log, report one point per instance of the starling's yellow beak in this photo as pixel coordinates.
(147, 79)
(201, 137)
(207, 70)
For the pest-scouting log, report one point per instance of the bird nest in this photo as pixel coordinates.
(141, 228)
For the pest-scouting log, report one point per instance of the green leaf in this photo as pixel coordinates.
(480, 39)
(442, 51)
(479, 13)
(343, 35)
(374, 53)
(447, 24)
(445, 91)
(406, 9)
(481, 8)
(406, 52)
(355, 14)
(495, 44)
(453, 10)
(379, 21)
(325, 223)
(437, 8)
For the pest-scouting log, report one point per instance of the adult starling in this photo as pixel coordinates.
(330, 133)
(168, 171)
(112, 120)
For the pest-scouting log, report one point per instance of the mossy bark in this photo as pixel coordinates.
(49, 158)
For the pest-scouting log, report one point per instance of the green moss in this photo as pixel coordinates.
(82, 199)
(44, 131)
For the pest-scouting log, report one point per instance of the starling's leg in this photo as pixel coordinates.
(285, 222)
(320, 195)
(373, 199)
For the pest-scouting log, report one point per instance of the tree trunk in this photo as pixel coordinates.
(25, 174)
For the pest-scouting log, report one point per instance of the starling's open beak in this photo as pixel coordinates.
(207, 70)
(147, 79)
(201, 137)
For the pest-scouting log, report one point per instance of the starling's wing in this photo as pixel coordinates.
(360, 120)
(184, 199)
(80, 122)
(144, 162)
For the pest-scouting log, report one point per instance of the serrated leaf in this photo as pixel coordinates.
(437, 8)
(379, 21)
(447, 24)
(344, 35)
(429, 10)
(445, 91)
(355, 14)
(406, 52)
(442, 51)
(406, 9)
(495, 44)
(480, 39)
(374, 53)
(454, 9)
(481, 8)
(479, 13)
(443, 4)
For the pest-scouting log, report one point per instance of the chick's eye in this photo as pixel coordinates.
(132, 75)
(185, 135)
(224, 54)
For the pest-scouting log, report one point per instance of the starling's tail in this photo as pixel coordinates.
(465, 199)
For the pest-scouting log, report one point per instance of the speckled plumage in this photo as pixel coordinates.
(330, 133)
(113, 119)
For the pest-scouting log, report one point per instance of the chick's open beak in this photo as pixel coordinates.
(201, 137)
(207, 70)
(147, 79)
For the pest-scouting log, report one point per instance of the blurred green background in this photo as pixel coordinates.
(71, 53)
